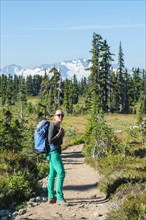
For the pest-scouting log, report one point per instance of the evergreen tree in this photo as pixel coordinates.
(29, 85)
(105, 75)
(75, 90)
(16, 87)
(45, 89)
(36, 84)
(68, 96)
(37, 80)
(127, 93)
(55, 89)
(3, 89)
(83, 86)
(121, 81)
(10, 90)
(137, 84)
(93, 92)
(114, 96)
(22, 96)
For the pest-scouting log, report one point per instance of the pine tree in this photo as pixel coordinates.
(36, 84)
(56, 89)
(10, 90)
(83, 86)
(37, 80)
(75, 90)
(121, 80)
(127, 93)
(3, 88)
(114, 96)
(68, 96)
(45, 89)
(93, 92)
(29, 85)
(105, 75)
(16, 87)
(137, 85)
(22, 97)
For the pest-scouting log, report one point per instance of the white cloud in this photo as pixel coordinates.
(112, 26)
(87, 27)
(13, 36)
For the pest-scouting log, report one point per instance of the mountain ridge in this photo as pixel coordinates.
(67, 69)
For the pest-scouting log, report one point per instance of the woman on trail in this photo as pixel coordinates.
(55, 139)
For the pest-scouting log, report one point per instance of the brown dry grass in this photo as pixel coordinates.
(118, 122)
(115, 121)
(33, 100)
(78, 122)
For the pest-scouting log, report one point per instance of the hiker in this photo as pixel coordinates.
(55, 139)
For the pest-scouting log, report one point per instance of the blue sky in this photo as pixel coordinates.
(45, 32)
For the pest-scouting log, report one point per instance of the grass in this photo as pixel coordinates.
(78, 122)
(33, 99)
(120, 121)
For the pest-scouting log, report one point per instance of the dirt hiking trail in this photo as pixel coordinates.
(80, 190)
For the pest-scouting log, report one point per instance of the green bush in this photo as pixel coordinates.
(14, 189)
(43, 169)
(133, 206)
(70, 132)
(19, 177)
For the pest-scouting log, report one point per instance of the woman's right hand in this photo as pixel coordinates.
(60, 132)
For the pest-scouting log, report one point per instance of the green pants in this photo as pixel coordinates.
(56, 169)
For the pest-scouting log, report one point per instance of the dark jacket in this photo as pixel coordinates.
(53, 139)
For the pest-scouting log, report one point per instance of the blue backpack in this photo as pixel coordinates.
(41, 137)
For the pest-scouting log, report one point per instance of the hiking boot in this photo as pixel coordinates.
(62, 202)
(52, 200)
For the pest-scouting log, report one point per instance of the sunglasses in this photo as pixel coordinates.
(60, 115)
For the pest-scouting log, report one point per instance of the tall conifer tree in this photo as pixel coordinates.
(121, 81)
(93, 92)
(105, 75)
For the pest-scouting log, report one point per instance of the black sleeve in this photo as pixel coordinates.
(52, 133)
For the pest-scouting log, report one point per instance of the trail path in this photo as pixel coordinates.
(80, 190)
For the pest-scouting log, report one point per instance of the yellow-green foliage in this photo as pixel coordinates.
(132, 203)
(74, 129)
(123, 175)
(18, 177)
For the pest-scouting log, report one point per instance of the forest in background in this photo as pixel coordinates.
(117, 153)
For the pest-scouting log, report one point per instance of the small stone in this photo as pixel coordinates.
(38, 199)
(57, 214)
(44, 199)
(81, 206)
(32, 200)
(22, 211)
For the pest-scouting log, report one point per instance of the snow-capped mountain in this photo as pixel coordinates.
(66, 68)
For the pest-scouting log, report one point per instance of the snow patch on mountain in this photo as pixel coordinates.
(67, 69)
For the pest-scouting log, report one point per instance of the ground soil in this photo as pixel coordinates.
(80, 190)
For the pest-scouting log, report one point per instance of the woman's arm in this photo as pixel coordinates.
(52, 133)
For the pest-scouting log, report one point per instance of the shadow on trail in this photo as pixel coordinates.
(80, 187)
(74, 162)
(75, 154)
(77, 201)
(72, 157)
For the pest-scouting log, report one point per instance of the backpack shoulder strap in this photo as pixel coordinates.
(41, 123)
